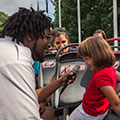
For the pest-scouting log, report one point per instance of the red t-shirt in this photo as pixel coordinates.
(94, 102)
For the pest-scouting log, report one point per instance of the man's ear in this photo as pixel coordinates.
(28, 42)
(29, 39)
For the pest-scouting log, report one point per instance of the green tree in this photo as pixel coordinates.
(68, 18)
(3, 18)
(96, 14)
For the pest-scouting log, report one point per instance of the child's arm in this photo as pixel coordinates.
(118, 82)
(114, 100)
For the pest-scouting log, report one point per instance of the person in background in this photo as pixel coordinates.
(60, 39)
(100, 92)
(24, 38)
(100, 33)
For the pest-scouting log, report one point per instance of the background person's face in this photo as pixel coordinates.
(60, 42)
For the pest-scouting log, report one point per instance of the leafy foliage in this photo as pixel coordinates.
(96, 14)
(3, 17)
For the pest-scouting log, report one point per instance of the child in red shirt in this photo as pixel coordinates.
(101, 90)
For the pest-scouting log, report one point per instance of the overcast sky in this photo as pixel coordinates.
(11, 6)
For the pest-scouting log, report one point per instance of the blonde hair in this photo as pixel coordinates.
(97, 49)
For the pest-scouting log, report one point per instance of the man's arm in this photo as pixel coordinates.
(45, 92)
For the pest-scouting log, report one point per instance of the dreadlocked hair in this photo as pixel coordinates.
(25, 23)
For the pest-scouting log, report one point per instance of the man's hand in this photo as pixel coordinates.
(64, 77)
(50, 88)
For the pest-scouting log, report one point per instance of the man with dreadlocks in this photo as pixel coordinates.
(25, 36)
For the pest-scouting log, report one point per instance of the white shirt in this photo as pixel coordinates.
(18, 99)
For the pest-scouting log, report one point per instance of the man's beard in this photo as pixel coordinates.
(38, 55)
